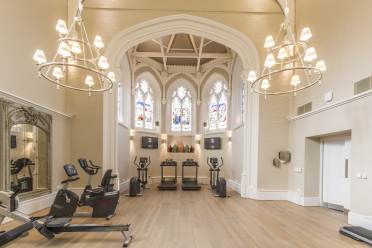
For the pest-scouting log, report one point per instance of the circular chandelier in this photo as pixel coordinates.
(290, 65)
(77, 64)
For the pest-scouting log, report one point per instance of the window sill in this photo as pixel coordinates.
(148, 131)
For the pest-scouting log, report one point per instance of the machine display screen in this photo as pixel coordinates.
(150, 142)
(212, 143)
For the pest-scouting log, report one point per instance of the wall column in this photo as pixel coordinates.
(249, 178)
(110, 129)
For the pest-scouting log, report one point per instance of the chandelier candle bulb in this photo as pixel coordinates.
(111, 75)
(269, 42)
(305, 34)
(64, 50)
(89, 81)
(270, 61)
(98, 42)
(103, 63)
(282, 54)
(252, 76)
(310, 54)
(265, 84)
(39, 56)
(321, 65)
(61, 27)
(295, 80)
(57, 73)
(75, 47)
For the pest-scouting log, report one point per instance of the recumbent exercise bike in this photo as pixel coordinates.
(138, 184)
(104, 198)
(217, 183)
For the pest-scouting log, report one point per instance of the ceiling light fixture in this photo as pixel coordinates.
(76, 55)
(290, 65)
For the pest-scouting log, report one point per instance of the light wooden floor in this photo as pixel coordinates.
(182, 219)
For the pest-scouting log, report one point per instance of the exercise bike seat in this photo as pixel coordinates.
(106, 184)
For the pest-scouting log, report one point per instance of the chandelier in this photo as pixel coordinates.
(290, 66)
(77, 64)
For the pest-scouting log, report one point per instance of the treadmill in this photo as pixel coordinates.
(190, 183)
(357, 233)
(168, 183)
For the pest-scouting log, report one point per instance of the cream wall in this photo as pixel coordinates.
(344, 40)
(274, 137)
(24, 27)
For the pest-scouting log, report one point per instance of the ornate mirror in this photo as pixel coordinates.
(25, 147)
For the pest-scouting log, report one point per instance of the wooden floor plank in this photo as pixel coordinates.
(190, 219)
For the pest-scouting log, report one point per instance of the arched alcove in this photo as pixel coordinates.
(202, 27)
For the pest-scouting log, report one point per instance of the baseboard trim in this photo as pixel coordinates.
(295, 198)
(360, 220)
(124, 186)
(272, 195)
(236, 186)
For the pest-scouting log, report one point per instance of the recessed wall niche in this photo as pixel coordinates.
(25, 149)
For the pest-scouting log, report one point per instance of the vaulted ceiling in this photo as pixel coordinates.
(182, 50)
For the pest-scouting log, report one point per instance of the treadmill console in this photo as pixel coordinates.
(168, 162)
(189, 162)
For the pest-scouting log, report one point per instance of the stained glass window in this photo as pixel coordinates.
(217, 107)
(144, 106)
(181, 110)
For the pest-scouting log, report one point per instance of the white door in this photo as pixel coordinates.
(336, 172)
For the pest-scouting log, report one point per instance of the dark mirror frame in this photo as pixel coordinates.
(12, 113)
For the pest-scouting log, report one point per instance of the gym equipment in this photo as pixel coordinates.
(168, 183)
(357, 233)
(217, 183)
(190, 183)
(25, 183)
(92, 169)
(103, 202)
(139, 182)
(50, 225)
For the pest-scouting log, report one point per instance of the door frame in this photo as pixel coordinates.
(321, 174)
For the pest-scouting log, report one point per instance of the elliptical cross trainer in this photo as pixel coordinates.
(138, 184)
(217, 183)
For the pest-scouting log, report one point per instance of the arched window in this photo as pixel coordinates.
(217, 107)
(144, 102)
(181, 110)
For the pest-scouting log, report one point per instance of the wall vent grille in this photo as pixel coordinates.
(363, 85)
(305, 108)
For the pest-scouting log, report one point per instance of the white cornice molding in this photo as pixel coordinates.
(332, 106)
(25, 101)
